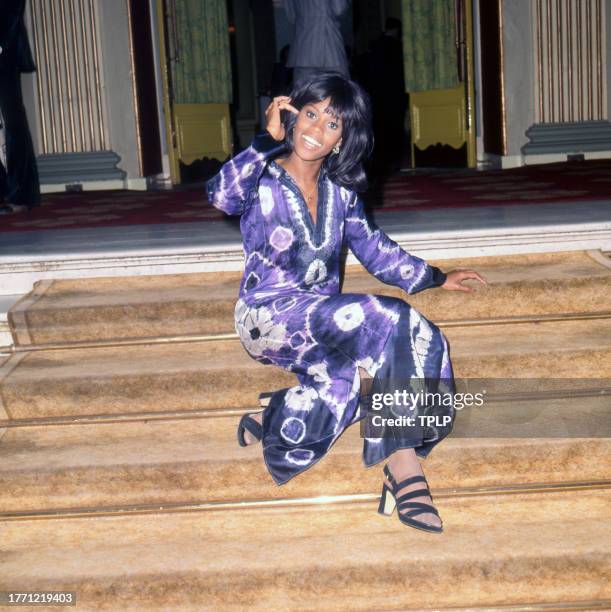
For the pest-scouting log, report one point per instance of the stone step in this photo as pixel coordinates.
(521, 549)
(198, 461)
(220, 374)
(6, 302)
(178, 305)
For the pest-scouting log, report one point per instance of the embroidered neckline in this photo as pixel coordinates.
(316, 230)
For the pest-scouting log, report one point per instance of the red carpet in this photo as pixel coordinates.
(561, 182)
(112, 208)
(569, 181)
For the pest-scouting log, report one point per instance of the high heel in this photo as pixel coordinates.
(389, 500)
(247, 423)
(264, 398)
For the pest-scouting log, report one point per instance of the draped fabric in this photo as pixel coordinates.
(201, 73)
(429, 50)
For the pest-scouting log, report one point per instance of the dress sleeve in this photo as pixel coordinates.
(231, 190)
(383, 257)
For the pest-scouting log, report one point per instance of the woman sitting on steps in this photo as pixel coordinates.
(296, 189)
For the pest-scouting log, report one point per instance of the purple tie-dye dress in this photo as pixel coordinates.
(290, 311)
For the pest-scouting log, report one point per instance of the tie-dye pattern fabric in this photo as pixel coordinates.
(290, 312)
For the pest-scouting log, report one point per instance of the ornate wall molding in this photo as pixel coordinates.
(68, 168)
(568, 137)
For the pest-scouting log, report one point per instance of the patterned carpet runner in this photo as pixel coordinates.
(560, 182)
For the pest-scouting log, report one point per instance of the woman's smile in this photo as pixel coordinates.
(311, 143)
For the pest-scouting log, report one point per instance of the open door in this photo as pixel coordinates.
(438, 50)
(196, 80)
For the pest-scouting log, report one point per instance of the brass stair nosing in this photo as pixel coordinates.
(125, 417)
(358, 498)
(549, 394)
(579, 316)
(563, 606)
(125, 342)
(207, 413)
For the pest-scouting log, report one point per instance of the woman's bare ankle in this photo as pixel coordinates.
(366, 382)
(403, 462)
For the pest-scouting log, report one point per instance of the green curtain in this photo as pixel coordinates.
(202, 72)
(428, 45)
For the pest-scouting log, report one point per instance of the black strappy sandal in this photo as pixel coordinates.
(247, 423)
(389, 500)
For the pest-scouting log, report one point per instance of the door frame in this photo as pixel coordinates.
(165, 87)
(429, 108)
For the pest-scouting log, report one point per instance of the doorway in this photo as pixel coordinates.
(196, 82)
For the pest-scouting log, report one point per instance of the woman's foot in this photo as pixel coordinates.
(248, 437)
(366, 382)
(404, 464)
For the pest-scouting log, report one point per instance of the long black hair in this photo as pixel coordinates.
(349, 102)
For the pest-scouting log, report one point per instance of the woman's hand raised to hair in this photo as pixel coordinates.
(455, 278)
(272, 114)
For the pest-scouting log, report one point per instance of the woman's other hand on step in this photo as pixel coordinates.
(455, 279)
(272, 114)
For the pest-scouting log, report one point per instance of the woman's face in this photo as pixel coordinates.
(316, 131)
